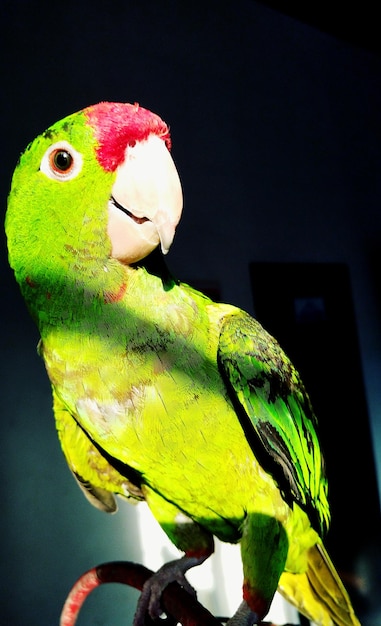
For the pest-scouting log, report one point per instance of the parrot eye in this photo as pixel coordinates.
(61, 162)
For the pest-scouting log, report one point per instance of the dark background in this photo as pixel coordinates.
(276, 127)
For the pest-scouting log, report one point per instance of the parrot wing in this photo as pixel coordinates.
(91, 466)
(275, 413)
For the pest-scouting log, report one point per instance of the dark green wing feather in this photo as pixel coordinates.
(277, 415)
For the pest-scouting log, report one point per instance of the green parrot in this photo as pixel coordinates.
(159, 393)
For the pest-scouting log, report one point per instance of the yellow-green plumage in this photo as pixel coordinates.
(161, 394)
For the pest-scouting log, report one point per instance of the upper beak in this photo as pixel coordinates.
(147, 188)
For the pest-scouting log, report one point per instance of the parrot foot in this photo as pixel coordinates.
(150, 597)
(244, 616)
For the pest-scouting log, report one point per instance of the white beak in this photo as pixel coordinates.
(146, 202)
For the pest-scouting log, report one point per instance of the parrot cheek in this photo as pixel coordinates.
(130, 242)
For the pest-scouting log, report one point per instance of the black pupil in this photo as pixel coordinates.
(63, 160)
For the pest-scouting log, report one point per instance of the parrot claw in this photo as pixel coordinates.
(244, 616)
(150, 597)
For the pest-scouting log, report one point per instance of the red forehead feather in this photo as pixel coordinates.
(118, 125)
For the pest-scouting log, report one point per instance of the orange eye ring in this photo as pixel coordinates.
(61, 161)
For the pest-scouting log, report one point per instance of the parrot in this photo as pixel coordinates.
(161, 394)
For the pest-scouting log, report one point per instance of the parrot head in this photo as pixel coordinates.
(99, 183)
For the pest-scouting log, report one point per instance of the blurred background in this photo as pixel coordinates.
(276, 128)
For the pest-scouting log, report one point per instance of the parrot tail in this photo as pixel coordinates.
(319, 593)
